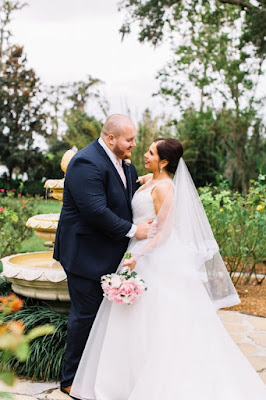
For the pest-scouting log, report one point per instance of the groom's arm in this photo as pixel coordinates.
(87, 188)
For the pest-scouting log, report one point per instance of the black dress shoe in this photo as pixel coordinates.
(63, 390)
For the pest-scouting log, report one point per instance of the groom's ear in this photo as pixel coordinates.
(110, 139)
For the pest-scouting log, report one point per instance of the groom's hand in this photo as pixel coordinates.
(143, 229)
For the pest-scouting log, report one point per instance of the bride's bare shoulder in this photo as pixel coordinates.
(162, 188)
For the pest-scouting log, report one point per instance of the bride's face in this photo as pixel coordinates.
(152, 159)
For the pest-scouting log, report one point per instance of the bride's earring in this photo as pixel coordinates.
(161, 169)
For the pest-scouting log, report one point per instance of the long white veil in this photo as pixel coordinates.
(182, 220)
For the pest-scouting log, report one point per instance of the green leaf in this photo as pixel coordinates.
(6, 355)
(14, 218)
(40, 331)
(127, 256)
(7, 377)
(22, 351)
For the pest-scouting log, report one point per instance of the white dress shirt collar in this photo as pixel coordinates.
(109, 152)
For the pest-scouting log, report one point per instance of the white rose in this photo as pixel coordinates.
(115, 281)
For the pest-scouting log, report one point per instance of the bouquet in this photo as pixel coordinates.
(123, 287)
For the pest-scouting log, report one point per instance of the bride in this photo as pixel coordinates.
(170, 344)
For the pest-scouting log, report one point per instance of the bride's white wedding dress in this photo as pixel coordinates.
(169, 345)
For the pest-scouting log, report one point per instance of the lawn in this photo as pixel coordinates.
(44, 207)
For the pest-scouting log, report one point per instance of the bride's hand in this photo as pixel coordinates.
(130, 263)
(144, 178)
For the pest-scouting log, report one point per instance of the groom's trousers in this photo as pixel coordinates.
(86, 296)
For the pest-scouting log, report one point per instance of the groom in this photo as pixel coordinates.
(94, 228)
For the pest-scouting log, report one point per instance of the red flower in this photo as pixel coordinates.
(1, 209)
(19, 194)
(2, 190)
(22, 206)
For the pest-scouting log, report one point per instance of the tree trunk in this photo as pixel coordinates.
(9, 177)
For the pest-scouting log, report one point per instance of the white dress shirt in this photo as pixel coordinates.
(121, 172)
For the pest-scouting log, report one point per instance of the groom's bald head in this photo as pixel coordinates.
(119, 134)
(116, 124)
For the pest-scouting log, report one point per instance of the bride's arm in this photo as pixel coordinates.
(163, 195)
(144, 178)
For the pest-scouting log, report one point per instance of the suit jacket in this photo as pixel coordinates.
(96, 214)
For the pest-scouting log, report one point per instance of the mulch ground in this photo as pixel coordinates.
(253, 298)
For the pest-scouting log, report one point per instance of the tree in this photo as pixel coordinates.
(83, 96)
(21, 114)
(19, 87)
(148, 130)
(203, 149)
(7, 8)
(224, 75)
(243, 136)
(159, 17)
(212, 67)
(72, 109)
(82, 129)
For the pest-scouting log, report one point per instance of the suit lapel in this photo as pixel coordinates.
(129, 180)
(103, 153)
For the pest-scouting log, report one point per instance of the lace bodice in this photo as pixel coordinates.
(143, 204)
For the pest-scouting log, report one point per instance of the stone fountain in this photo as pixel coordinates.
(37, 274)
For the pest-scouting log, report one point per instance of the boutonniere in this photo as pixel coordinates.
(127, 161)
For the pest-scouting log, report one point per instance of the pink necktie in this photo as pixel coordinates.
(121, 172)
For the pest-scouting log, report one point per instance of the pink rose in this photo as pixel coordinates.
(105, 286)
(118, 300)
(112, 293)
(127, 287)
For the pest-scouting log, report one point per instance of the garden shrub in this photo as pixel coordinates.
(14, 213)
(34, 188)
(29, 187)
(238, 224)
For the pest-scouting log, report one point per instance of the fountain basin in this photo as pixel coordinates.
(37, 275)
(44, 225)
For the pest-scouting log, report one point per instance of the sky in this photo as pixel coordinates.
(65, 40)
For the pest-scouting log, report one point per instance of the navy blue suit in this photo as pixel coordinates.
(91, 238)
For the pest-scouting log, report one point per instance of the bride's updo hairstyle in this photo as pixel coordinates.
(171, 150)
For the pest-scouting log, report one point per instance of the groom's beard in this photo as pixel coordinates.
(122, 155)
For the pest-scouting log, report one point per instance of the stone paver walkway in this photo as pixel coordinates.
(249, 332)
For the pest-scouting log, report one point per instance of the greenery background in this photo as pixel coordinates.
(212, 79)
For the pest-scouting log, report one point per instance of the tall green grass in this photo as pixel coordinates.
(46, 352)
